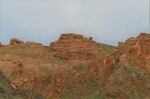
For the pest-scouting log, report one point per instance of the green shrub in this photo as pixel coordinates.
(5, 88)
(83, 65)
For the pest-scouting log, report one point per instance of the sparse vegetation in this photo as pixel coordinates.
(5, 88)
(49, 75)
(83, 65)
(107, 48)
(121, 75)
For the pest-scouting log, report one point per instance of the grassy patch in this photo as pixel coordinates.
(97, 93)
(80, 92)
(83, 65)
(5, 88)
(107, 48)
(49, 76)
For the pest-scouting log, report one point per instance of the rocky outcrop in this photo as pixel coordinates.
(1, 44)
(74, 48)
(15, 41)
(138, 50)
(134, 52)
(122, 74)
(129, 67)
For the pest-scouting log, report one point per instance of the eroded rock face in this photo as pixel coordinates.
(139, 50)
(135, 50)
(15, 41)
(75, 48)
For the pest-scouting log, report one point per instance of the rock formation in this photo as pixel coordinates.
(123, 74)
(129, 67)
(132, 52)
(1, 44)
(15, 41)
(138, 50)
(75, 48)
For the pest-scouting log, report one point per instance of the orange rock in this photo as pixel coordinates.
(135, 50)
(15, 41)
(75, 48)
(138, 49)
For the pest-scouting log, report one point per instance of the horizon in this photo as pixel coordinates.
(71, 33)
(109, 21)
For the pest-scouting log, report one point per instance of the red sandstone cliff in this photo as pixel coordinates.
(75, 48)
(122, 74)
(15, 41)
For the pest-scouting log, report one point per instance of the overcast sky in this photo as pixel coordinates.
(108, 21)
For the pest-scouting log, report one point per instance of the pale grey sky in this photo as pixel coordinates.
(108, 21)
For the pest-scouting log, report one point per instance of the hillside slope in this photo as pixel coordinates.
(33, 71)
